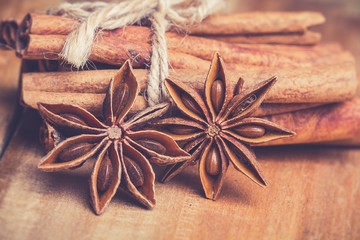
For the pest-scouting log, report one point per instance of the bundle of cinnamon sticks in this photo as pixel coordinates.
(314, 95)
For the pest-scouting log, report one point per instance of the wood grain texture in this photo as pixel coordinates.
(9, 72)
(301, 202)
(313, 192)
(10, 65)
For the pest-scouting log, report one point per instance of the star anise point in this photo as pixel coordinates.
(123, 153)
(216, 128)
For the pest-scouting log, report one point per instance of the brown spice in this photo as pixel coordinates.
(85, 136)
(257, 22)
(216, 128)
(320, 84)
(321, 124)
(190, 52)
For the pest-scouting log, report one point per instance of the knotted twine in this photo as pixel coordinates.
(162, 15)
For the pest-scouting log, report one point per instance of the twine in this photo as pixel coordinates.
(162, 15)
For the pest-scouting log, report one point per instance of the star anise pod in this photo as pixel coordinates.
(217, 128)
(123, 154)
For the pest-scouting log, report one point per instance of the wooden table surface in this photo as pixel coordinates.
(314, 192)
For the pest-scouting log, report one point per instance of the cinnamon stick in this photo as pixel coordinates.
(46, 65)
(258, 22)
(41, 24)
(239, 54)
(329, 51)
(321, 50)
(326, 123)
(183, 52)
(322, 54)
(93, 102)
(90, 95)
(302, 38)
(135, 41)
(90, 101)
(224, 24)
(313, 85)
(113, 51)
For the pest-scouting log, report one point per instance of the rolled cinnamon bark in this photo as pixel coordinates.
(321, 54)
(93, 102)
(330, 51)
(133, 42)
(42, 24)
(46, 65)
(257, 22)
(326, 123)
(223, 24)
(302, 38)
(321, 50)
(90, 101)
(312, 85)
(110, 51)
(239, 54)
(189, 52)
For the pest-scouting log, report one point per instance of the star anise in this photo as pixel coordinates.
(123, 154)
(217, 128)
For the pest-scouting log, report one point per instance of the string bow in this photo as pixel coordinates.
(162, 14)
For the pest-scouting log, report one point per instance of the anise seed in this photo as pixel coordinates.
(213, 161)
(74, 151)
(105, 174)
(190, 103)
(49, 137)
(181, 129)
(250, 131)
(152, 145)
(217, 94)
(240, 156)
(45, 137)
(73, 118)
(135, 173)
(241, 107)
(120, 98)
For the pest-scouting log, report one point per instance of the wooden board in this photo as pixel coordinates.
(9, 110)
(313, 194)
(10, 68)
